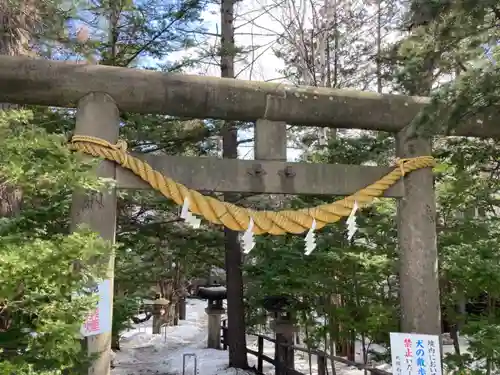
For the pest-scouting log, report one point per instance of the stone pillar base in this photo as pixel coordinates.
(214, 327)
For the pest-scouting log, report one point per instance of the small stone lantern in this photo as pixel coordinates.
(284, 327)
(160, 307)
(215, 309)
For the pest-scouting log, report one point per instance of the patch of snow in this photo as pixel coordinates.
(143, 353)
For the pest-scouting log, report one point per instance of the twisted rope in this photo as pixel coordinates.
(235, 217)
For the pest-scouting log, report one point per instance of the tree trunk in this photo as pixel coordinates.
(234, 277)
(115, 342)
(182, 309)
(16, 24)
(379, 46)
(16, 33)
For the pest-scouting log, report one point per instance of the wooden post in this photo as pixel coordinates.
(182, 308)
(97, 115)
(322, 365)
(284, 353)
(224, 334)
(176, 312)
(183, 293)
(260, 350)
(418, 273)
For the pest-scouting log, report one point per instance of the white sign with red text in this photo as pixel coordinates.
(99, 319)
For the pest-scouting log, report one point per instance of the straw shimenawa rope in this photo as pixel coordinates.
(235, 217)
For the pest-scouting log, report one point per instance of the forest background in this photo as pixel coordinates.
(446, 50)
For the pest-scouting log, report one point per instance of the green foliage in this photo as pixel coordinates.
(456, 44)
(135, 33)
(124, 308)
(139, 30)
(341, 287)
(153, 238)
(42, 303)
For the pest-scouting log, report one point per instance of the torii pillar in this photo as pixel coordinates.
(97, 115)
(418, 272)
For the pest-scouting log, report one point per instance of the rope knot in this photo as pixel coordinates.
(418, 162)
(121, 145)
(400, 162)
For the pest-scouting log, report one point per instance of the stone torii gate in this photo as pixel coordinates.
(100, 92)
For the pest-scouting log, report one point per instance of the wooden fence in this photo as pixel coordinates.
(284, 369)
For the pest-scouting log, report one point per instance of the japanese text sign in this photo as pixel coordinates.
(414, 354)
(99, 319)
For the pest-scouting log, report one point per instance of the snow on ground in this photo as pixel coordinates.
(302, 360)
(143, 353)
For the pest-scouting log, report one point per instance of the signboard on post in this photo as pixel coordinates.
(99, 319)
(414, 354)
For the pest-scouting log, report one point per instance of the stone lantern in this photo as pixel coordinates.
(284, 327)
(160, 308)
(215, 309)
